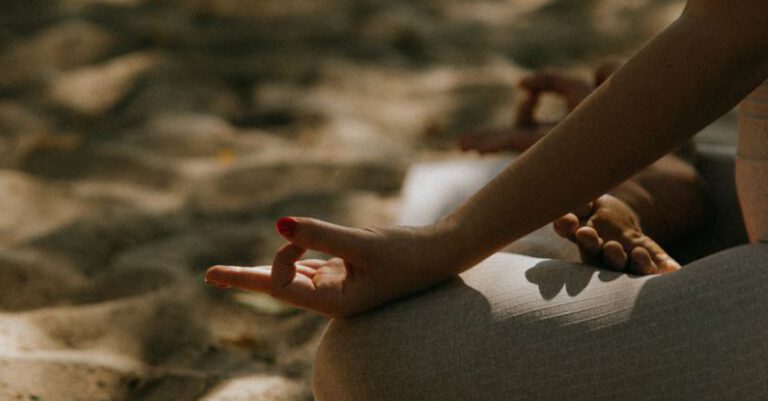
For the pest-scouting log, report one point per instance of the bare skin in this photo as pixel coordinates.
(696, 70)
(608, 231)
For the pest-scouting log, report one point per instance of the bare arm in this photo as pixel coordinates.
(685, 78)
(659, 205)
(689, 75)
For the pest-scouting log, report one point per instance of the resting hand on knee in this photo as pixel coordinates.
(373, 266)
(608, 234)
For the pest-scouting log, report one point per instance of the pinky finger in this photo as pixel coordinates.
(642, 264)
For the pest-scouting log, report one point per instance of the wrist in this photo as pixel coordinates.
(457, 242)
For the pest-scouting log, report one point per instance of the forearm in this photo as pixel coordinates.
(681, 81)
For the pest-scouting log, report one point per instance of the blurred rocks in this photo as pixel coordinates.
(258, 183)
(17, 120)
(194, 248)
(30, 207)
(264, 304)
(21, 132)
(75, 5)
(92, 91)
(62, 47)
(46, 282)
(174, 90)
(129, 164)
(258, 387)
(92, 242)
(184, 134)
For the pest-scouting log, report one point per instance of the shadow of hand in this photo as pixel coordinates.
(552, 275)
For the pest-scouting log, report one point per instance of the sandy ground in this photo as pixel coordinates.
(143, 141)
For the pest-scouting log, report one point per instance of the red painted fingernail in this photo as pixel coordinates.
(287, 226)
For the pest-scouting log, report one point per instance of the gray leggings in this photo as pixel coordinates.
(517, 327)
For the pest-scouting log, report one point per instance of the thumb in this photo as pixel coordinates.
(318, 235)
(524, 117)
(572, 88)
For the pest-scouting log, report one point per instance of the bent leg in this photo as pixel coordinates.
(516, 327)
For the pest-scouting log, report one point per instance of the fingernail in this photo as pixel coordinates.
(217, 284)
(287, 226)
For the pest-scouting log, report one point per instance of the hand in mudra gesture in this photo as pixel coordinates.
(371, 267)
(526, 129)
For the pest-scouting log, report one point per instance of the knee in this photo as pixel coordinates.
(346, 363)
(395, 352)
(406, 350)
(327, 382)
(414, 348)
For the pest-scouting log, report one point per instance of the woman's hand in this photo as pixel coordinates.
(373, 266)
(527, 130)
(608, 234)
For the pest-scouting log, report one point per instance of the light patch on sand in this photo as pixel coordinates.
(274, 388)
(613, 18)
(495, 13)
(25, 198)
(94, 90)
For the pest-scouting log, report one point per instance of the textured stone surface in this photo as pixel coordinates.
(95, 90)
(66, 45)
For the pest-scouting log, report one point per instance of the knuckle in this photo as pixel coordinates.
(288, 253)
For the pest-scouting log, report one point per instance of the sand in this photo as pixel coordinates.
(143, 141)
